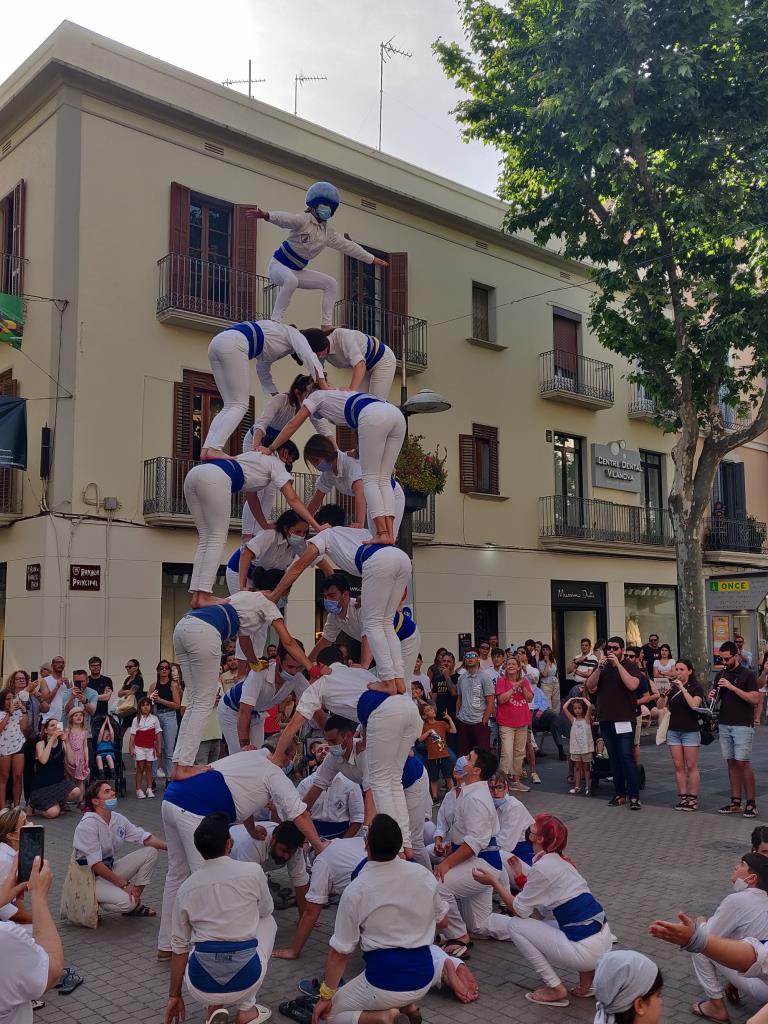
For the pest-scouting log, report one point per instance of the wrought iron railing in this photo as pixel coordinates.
(734, 419)
(595, 520)
(401, 332)
(721, 534)
(212, 289)
(423, 522)
(563, 372)
(12, 273)
(640, 402)
(10, 491)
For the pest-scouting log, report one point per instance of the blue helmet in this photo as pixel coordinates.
(323, 192)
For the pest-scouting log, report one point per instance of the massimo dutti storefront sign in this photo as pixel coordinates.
(616, 467)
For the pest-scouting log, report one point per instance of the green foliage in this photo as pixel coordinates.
(634, 136)
(421, 470)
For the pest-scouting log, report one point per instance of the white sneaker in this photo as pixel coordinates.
(160, 773)
(151, 794)
(139, 794)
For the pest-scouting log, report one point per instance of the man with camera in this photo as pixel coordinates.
(615, 681)
(736, 689)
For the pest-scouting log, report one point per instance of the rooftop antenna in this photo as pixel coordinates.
(301, 78)
(386, 52)
(250, 80)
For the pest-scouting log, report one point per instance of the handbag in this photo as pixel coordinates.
(78, 896)
(663, 727)
(126, 706)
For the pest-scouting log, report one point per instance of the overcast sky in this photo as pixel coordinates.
(336, 38)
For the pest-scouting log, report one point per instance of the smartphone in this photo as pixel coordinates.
(31, 845)
(33, 677)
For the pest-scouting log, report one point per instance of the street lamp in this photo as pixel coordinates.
(424, 401)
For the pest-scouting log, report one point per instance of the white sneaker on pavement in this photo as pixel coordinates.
(140, 794)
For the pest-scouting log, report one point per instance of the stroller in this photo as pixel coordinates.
(105, 747)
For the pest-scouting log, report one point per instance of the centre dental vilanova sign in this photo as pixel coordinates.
(616, 467)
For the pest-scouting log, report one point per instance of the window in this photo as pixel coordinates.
(483, 302)
(651, 608)
(9, 480)
(729, 498)
(569, 481)
(196, 401)
(486, 620)
(376, 298)
(565, 342)
(651, 486)
(210, 247)
(12, 241)
(479, 460)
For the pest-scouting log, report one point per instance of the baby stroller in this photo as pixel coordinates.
(106, 747)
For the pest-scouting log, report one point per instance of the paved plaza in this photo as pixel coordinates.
(640, 865)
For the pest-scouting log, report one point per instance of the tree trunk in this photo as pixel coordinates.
(690, 592)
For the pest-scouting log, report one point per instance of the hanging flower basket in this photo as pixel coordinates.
(419, 472)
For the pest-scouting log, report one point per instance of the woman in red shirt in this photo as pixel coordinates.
(513, 716)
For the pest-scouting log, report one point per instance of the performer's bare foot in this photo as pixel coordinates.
(412, 1012)
(214, 453)
(399, 686)
(461, 981)
(327, 328)
(202, 599)
(186, 771)
(407, 855)
(384, 686)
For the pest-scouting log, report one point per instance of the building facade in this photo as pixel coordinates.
(122, 187)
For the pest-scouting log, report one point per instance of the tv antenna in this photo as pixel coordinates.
(301, 78)
(250, 81)
(386, 52)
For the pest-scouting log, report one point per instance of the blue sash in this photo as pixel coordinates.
(412, 771)
(269, 435)
(367, 704)
(364, 552)
(288, 256)
(399, 970)
(222, 967)
(232, 701)
(202, 794)
(524, 851)
(234, 561)
(362, 864)
(404, 626)
(253, 333)
(223, 617)
(330, 829)
(354, 405)
(374, 350)
(233, 470)
(580, 917)
(490, 854)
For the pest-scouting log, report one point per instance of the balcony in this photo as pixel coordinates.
(205, 295)
(734, 419)
(641, 405)
(734, 535)
(398, 330)
(10, 495)
(590, 524)
(577, 380)
(12, 273)
(424, 522)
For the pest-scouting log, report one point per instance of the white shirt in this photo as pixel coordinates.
(351, 623)
(282, 340)
(338, 692)
(348, 472)
(277, 413)
(551, 882)
(25, 973)
(308, 236)
(95, 839)
(253, 610)
(340, 544)
(223, 900)
(272, 551)
(257, 851)
(475, 821)
(741, 915)
(514, 819)
(6, 860)
(446, 813)
(56, 710)
(260, 471)
(390, 904)
(332, 869)
(341, 801)
(585, 666)
(347, 347)
(254, 781)
(260, 693)
(330, 404)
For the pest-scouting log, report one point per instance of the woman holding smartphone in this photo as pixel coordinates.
(50, 787)
(13, 723)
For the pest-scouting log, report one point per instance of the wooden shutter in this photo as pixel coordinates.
(17, 236)
(178, 246)
(346, 439)
(244, 294)
(466, 463)
(182, 420)
(396, 317)
(350, 270)
(9, 388)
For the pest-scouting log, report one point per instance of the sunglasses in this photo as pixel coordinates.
(631, 657)
(613, 647)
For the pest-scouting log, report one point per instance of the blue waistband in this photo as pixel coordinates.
(367, 704)
(412, 771)
(222, 617)
(269, 435)
(580, 917)
(288, 256)
(354, 405)
(330, 829)
(234, 561)
(399, 970)
(254, 335)
(224, 967)
(374, 350)
(365, 551)
(233, 470)
(404, 626)
(490, 854)
(202, 794)
(524, 850)
(231, 700)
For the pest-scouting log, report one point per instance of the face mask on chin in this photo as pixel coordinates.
(111, 804)
(337, 749)
(498, 801)
(332, 607)
(740, 884)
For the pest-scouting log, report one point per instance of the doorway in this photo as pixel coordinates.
(486, 620)
(578, 610)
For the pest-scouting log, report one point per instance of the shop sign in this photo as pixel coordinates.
(34, 576)
(85, 577)
(576, 593)
(728, 586)
(616, 467)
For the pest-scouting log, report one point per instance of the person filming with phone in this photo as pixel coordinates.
(615, 681)
(736, 688)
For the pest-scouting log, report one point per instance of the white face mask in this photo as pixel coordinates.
(294, 541)
(740, 884)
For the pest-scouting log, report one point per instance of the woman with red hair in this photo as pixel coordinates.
(570, 929)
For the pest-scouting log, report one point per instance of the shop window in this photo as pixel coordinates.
(651, 608)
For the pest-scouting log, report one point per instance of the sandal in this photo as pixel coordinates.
(546, 1002)
(692, 804)
(581, 993)
(69, 981)
(682, 803)
(617, 801)
(635, 805)
(453, 947)
(734, 807)
(697, 1011)
(299, 1010)
(750, 809)
(141, 911)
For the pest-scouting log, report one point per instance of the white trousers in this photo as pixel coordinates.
(179, 830)
(386, 575)
(233, 581)
(713, 978)
(545, 947)
(378, 381)
(228, 356)
(392, 730)
(208, 494)
(469, 902)
(198, 649)
(359, 995)
(380, 435)
(288, 281)
(136, 867)
(266, 931)
(228, 722)
(409, 649)
(429, 829)
(418, 800)
(399, 497)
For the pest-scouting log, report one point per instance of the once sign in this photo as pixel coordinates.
(616, 467)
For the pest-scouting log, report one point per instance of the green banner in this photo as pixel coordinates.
(11, 319)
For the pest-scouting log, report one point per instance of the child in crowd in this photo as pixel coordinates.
(76, 747)
(578, 711)
(105, 749)
(438, 758)
(144, 746)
